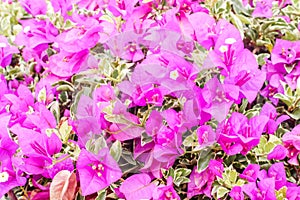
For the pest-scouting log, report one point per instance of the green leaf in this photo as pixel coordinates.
(244, 19)
(232, 176)
(238, 7)
(120, 119)
(205, 156)
(127, 163)
(240, 182)
(116, 150)
(269, 147)
(145, 139)
(296, 3)
(181, 180)
(296, 114)
(290, 35)
(182, 172)
(285, 99)
(79, 197)
(65, 88)
(281, 194)
(55, 109)
(5, 26)
(238, 23)
(274, 139)
(191, 140)
(95, 145)
(243, 107)
(289, 68)
(261, 58)
(260, 147)
(101, 195)
(169, 172)
(65, 131)
(221, 192)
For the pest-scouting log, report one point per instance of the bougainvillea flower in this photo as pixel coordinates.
(228, 45)
(291, 142)
(8, 177)
(62, 6)
(249, 82)
(7, 146)
(80, 38)
(270, 111)
(277, 172)
(162, 157)
(91, 5)
(96, 172)
(285, 52)
(128, 127)
(251, 172)
(41, 119)
(167, 139)
(269, 92)
(145, 155)
(61, 163)
(264, 189)
(166, 191)
(216, 167)
(44, 92)
(218, 98)
(263, 8)
(143, 94)
(236, 193)
(201, 182)
(293, 192)
(34, 7)
(65, 64)
(38, 151)
(127, 45)
(20, 103)
(278, 153)
(166, 142)
(104, 93)
(36, 34)
(154, 122)
(6, 52)
(185, 69)
(205, 34)
(168, 151)
(292, 78)
(206, 136)
(240, 135)
(87, 122)
(138, 186)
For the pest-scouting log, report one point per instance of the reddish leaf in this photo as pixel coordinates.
(63, 186)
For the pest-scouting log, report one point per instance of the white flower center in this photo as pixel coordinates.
(174, 74)
(26, 29)
(4, 177)
(230, 41)
(223, 48)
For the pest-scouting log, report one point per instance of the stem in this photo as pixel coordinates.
(58, 161)
(146, 116)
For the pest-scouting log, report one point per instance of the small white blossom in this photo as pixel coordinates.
(230, 41)
(4, 177)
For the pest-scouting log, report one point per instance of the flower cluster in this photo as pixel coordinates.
(149, 99)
